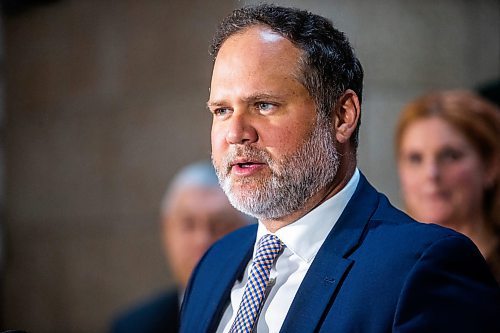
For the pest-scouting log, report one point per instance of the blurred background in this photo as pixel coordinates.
(102, 101)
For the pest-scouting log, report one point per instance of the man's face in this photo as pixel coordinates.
(197, 217)
(269, 148)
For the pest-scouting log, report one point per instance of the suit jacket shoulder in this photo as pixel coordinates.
(377, 271)
(159, 314)
(211, 282)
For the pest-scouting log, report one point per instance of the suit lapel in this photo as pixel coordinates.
(234, 265)
(331, 264)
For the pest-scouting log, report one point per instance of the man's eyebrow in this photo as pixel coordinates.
(262, 97)
(248, 99)
(214, 103)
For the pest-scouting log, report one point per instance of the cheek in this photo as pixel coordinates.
(408, 178)
(218, 141)
(465, 177)
(281, 142)
(178, 245)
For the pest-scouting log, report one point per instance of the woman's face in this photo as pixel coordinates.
(442, 175)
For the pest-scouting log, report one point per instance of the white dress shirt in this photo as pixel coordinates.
(303, 239)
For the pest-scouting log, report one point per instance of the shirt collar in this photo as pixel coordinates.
(305, 236)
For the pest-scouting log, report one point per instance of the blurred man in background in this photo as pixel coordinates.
(195, 212)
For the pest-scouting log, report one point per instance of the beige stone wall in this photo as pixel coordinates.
(105, 100)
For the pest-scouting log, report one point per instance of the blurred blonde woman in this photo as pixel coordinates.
(447, 146)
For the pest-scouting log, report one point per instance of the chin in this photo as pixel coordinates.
(242, 189)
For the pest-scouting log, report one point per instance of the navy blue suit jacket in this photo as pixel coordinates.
(157, 315)
(377, 271)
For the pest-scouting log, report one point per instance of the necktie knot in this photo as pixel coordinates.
(268, 249)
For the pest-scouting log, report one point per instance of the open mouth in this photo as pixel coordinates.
(246, 165)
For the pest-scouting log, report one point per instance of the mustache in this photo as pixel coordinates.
(248, 153)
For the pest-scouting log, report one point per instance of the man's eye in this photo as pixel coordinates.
(266, 107)
(220, 112)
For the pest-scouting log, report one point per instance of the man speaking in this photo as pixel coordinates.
(330, 253)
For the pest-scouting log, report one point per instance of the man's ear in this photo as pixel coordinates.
(347, 116)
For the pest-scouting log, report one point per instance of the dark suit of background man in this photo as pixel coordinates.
(194, 213)
(285, 97)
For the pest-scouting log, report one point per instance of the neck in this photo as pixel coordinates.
(344, 174)
(480, 233)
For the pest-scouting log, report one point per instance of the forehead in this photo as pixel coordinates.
(255, 61)
(258, 46)
(432, 132)
(255, 33)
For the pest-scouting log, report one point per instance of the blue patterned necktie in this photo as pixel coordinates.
(253, 297)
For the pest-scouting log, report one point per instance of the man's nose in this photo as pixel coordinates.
(241, 129)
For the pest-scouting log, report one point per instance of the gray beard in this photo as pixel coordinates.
(294, 179)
